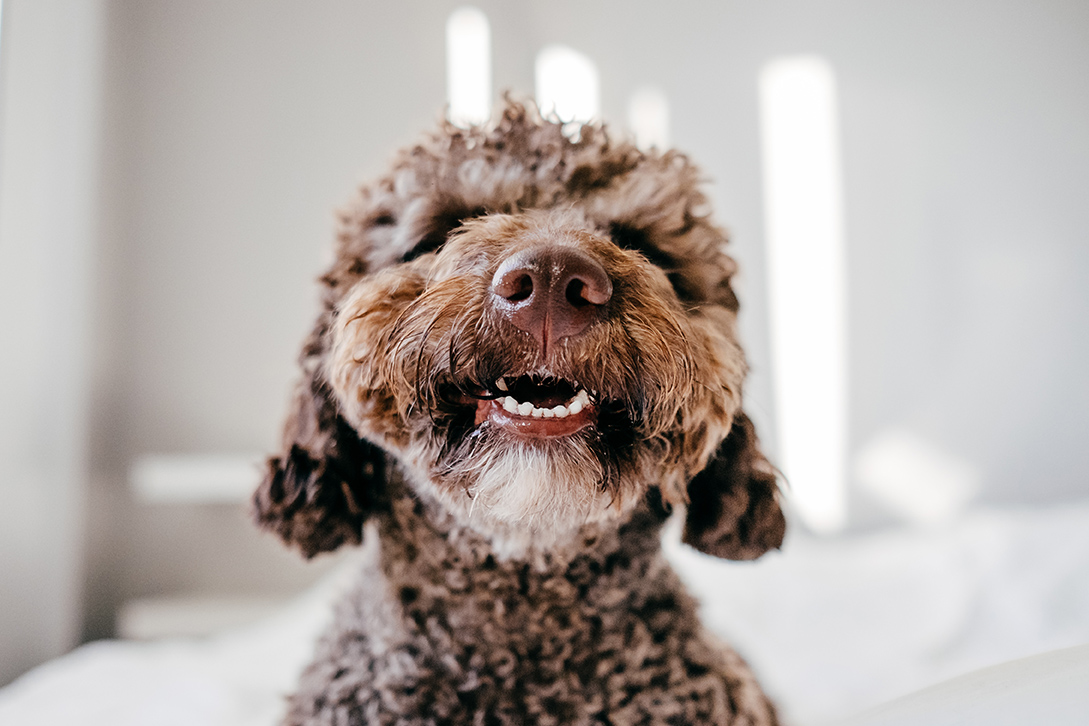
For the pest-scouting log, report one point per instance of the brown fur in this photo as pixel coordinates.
(514, 580)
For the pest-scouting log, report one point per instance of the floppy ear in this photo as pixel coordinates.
(733, 504)
(326, 480)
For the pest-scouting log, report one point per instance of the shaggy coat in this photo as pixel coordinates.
(526, 359)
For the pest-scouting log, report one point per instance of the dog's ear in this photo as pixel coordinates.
(317, 493)
(733, 504)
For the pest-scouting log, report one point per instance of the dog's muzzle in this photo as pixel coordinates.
(552, 292)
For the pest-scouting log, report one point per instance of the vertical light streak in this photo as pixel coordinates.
(803, 202)
(468, 66)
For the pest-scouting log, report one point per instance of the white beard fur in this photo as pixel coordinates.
(531, 498)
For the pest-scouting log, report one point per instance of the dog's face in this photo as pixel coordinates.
(541, 333)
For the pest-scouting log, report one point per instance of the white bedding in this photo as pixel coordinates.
(1051, 689)
(836, 626)
(238, 678)
(831, 626)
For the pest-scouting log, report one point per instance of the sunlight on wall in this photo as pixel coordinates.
(567, 83)
(468, 66)
(648, 117)
(803, 206)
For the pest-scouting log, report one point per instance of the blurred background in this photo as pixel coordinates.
(169, 173)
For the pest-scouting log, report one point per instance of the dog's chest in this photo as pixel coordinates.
(611, 638)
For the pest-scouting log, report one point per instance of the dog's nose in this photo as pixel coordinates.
(551, 291)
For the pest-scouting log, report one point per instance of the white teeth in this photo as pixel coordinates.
(578, 403)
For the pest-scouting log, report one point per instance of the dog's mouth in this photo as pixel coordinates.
(538, 406)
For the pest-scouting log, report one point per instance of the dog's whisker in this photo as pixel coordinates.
(471, 506)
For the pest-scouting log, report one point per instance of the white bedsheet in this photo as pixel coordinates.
(831, 626)
(237, 678)
(836, 626)
(1051, 689)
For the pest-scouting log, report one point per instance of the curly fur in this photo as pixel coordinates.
(515, 580)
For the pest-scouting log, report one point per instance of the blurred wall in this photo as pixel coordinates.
(49, 145)
(233, 129)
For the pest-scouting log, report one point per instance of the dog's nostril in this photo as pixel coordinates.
(578, 294)
(515, 286)
(574, 293)
(588, 289)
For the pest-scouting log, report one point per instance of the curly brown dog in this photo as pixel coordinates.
(527, 358)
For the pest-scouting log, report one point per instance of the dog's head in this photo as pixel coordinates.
(541, 333)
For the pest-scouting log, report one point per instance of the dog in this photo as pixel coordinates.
(526, 359)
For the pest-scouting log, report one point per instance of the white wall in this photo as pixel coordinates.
(48, 211)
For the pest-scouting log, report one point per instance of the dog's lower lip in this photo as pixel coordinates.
(539, 428)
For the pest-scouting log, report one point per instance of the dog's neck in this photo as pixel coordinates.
(423, 571)
(417, 533)
(452, 517)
